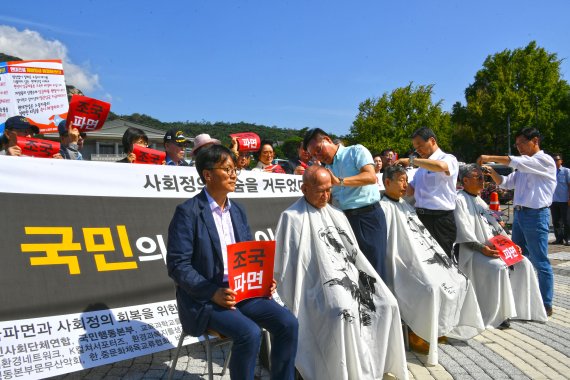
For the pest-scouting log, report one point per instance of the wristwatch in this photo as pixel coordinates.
(411, 161)
(341, 181)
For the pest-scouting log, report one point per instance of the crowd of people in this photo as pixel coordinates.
(376, 239)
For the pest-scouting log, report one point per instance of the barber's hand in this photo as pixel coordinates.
(483, 159)
(489, 252)
(273, 286)
(403, 161)
(225, 297)
(131, 157)
(335, 181)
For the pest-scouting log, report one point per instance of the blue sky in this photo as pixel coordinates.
(291, 64)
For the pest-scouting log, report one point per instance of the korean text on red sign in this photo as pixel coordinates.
(509, 251)
(148, 155)
(87, 114)
(250, 268)
(37, 147)
(247, 141)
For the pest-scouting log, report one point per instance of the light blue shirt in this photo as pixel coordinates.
(562, 181)
(347, 162)
(224, 227)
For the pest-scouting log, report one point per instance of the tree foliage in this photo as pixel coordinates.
(388, 121)
(523, 87)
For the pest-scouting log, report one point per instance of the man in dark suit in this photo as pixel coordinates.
(199, 232)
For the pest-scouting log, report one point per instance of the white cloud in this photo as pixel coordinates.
(29, 44)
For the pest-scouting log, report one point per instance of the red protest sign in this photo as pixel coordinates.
(247, 141)
(37, 147)
(87, 114)
(274, 169)
(508, 250)
(148, 155)
(250, 268)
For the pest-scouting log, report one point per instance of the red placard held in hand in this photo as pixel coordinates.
(87, 114)
(247, 141)
(148, 155)
(508, 250)
(250, 268)
(37, 147)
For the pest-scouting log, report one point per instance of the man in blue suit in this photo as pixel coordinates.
(199, 232)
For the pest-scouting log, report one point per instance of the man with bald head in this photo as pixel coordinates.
(349, 320)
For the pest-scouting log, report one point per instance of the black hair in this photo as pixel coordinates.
(210, 156)
(383, 153)
(554, 155)
(261, 145)
(529, 133)
(391, 171)
(377, 155)
(131, 135)
(424, 132)
(313, 134)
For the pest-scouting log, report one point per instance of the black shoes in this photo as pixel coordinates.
(505, 325)
(548, 310)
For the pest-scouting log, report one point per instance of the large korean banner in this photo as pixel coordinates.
(34, 89)
(83, 258)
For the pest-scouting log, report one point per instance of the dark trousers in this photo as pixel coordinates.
(559, 211)
(441, 225)
(371, 235)
(242, 325)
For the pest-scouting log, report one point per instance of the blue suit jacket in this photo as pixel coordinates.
(194, 258)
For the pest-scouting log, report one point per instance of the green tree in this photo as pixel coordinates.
(388, 121)
(522, 87)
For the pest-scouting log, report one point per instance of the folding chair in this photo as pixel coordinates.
(210, 345)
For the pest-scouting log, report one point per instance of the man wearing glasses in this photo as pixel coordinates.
(354, 191)
(175, 144)
(534, 181)
(198, 236)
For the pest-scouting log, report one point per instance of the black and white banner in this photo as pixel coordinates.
(83, 274)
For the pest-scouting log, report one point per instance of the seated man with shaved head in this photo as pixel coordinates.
(348, 319)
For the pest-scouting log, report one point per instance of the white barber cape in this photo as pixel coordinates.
(434, 297)
(349, 323)
(501, 293)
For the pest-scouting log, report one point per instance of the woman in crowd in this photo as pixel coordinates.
(133, 136)
(265, 157)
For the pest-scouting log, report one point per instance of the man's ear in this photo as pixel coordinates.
(304, 189)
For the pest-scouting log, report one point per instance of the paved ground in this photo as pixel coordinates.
(525, 351)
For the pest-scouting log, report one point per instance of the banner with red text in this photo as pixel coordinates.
(148, 155)
(509, 251)
(34, 89)
(37, 147)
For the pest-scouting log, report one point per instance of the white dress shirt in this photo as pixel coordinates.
(436, 190)
(224, 227)
(534, 180)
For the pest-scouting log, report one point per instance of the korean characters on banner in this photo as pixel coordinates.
(148, 155)
(87, 114)
(37, 147)
(44, 347)
(250, 268)
(508, 250)
(34, 89)
(110, 248)
(247, 141)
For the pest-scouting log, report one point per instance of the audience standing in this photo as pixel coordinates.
(69, 142)
(175, 144)
(133, 136)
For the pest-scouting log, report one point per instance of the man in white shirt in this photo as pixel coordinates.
(433, 187)
(534, 181)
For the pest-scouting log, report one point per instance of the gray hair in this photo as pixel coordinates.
(464, 171)
(391, 171)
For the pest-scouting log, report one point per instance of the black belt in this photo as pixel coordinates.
(521, 208)
(361, 210)
(427, 211)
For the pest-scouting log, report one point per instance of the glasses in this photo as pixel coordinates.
(480, 177)
(229, 171)
(318, 149)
